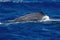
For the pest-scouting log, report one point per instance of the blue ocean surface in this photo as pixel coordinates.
(29, 31)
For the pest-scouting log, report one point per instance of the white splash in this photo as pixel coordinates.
(45, 18)
(1, 23)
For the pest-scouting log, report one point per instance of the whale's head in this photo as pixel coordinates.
(45, 18)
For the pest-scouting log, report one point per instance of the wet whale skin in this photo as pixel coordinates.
(29, 17)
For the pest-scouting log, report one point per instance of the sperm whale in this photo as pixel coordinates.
(35, 16)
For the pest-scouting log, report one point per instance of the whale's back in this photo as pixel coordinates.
(30, 17)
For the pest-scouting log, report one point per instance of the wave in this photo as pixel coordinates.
(17, 1)
(9, 22)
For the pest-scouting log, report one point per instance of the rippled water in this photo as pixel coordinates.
(29, 31)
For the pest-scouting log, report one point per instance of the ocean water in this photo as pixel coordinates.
(29, 31)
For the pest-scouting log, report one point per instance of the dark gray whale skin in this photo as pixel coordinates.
(30, 17)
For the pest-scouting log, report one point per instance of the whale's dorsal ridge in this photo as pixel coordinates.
(30, 17)
(42, 13)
